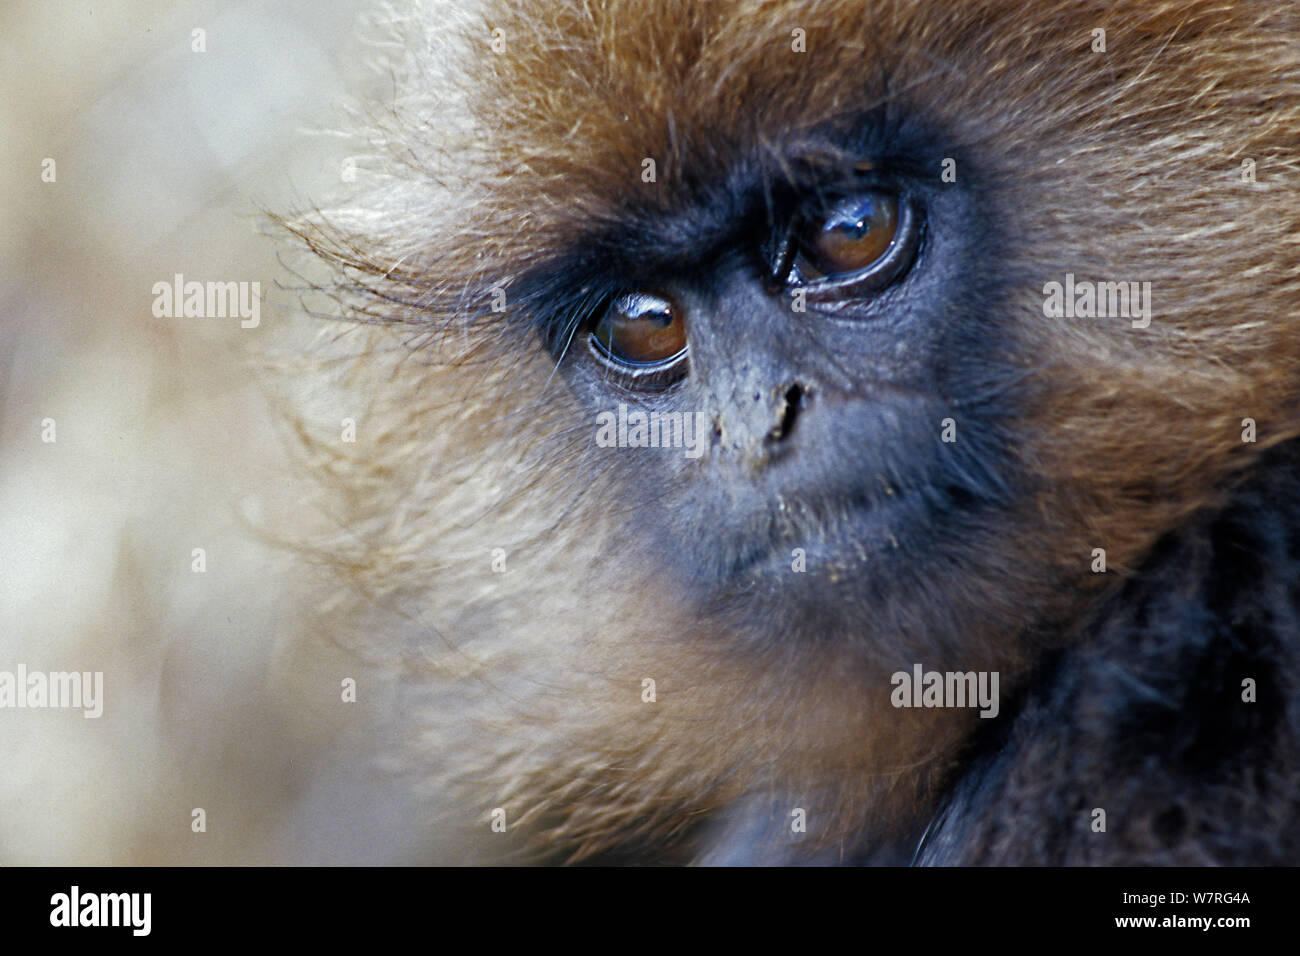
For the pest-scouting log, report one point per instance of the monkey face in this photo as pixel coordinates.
(816, 321)
(837, 260)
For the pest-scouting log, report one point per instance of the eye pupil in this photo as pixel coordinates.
(640, 330)
(854, 225)
(856, 233)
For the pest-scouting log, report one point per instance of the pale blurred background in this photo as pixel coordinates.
(165, 158)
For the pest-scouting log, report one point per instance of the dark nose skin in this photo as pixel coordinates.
(795, 400)
(768, 419)
(745, 356)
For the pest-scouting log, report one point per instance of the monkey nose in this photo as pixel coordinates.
(791, 401)
(763, 427)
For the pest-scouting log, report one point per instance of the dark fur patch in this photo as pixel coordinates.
(1144, 716)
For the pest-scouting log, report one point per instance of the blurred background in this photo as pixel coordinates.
(163, 159)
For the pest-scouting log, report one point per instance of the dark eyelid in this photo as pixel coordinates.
(659, 376)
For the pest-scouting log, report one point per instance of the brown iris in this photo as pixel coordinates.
(853, 236)
(641, 330)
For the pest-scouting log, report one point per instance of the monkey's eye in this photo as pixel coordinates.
(852, 237)
(859, 244)
(641, 335)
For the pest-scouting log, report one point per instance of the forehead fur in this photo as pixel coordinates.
(581, 93)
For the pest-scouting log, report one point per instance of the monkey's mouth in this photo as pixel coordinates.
(881, 532)
(805, 535)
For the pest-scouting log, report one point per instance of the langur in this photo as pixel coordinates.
(851, 431)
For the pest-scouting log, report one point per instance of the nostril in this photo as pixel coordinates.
(793, 402)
